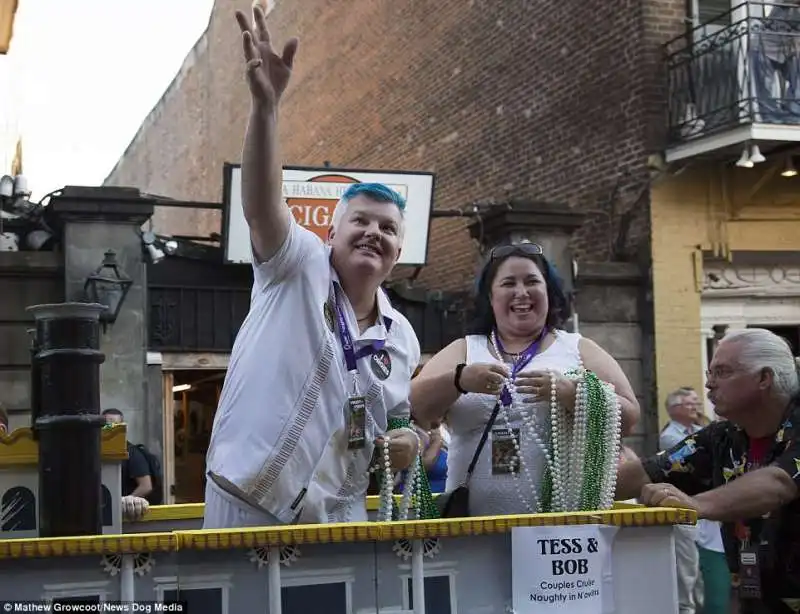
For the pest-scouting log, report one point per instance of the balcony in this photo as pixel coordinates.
(735, 81)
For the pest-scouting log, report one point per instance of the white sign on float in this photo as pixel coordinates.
(564, 568)
(311, 195)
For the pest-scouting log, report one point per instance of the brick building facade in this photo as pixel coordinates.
(613, 110)
(501, 100)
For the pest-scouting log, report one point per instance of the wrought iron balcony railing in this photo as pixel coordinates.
(742, 68)
(207, 319)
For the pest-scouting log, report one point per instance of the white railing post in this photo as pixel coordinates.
(274, 569)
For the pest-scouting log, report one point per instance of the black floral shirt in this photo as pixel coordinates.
(722, 452)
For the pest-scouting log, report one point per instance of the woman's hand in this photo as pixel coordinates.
(403, 447)
(535, 386)
(484, 378)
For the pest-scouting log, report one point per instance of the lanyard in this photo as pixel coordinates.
(350, 355)
(524, 358)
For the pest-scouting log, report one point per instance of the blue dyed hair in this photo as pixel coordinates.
(376, 191)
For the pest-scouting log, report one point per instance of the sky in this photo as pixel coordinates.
(81, 76)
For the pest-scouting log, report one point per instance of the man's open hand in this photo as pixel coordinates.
(666, 495)
(267, 73)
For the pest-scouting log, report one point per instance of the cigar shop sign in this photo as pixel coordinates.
(562, 569)
(311, 195)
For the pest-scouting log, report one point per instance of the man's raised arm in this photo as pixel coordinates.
(267, 77)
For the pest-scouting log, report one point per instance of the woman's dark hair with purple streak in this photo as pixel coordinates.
(558, 306)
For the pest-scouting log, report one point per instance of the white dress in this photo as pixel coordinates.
(500, 493)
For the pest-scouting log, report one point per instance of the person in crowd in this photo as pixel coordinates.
(322, 362)
(743, 470)
(136, 478)
(682, 405)
(520, 312)
(134, 508)
(434, 442)
(434, 458)
(708, 567)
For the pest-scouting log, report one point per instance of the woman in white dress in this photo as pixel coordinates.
(517, 340)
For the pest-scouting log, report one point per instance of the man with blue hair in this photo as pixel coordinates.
(322, 362)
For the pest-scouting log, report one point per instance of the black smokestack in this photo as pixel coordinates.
(67, 420)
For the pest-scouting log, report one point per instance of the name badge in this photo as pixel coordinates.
(749, 573)
(504, 453)
(356, 422)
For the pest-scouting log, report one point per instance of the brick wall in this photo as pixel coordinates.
(517, 99)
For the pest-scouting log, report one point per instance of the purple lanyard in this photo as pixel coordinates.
(524, 358)
(350, 355)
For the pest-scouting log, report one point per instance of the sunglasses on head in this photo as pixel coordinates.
(527, 249)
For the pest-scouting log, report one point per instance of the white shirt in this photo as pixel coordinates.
(674, 433)
(279, 439)
(709, 535)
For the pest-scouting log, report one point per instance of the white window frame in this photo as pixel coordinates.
(345, 575)
(187, 583)
(100, 590)
(432, 569)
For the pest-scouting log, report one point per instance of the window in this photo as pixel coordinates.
(313, 592)
(440, 588)
(437, 594)
(199, 600)
(18, 510)
(315, 599)
(202, 594)
(790, 333)
(76, 592)
(715, 12)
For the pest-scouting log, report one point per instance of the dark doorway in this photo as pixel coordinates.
(790, 333)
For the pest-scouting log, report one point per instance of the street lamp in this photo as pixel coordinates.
(108, 286)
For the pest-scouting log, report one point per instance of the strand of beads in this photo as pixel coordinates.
(615, 434)
(558, 451)
(584, 454)
(387, 485)
(577, 444)
(529, 428)
(410, 486)
(417, 497)
(581, 458)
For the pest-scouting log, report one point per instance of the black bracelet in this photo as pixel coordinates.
(457, 378)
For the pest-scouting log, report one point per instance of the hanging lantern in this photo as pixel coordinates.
(108, 286)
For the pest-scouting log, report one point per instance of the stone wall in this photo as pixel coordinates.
(614, 311)
(26, 278)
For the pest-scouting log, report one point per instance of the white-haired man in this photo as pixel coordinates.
(681, 407)
(743, 471)
(322, 361)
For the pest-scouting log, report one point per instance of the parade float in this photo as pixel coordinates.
(63, 538)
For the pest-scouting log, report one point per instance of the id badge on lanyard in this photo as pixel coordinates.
(356, 407)
(749, 572)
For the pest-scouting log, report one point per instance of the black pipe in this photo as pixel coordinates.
(36, 381)
(69, 423)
